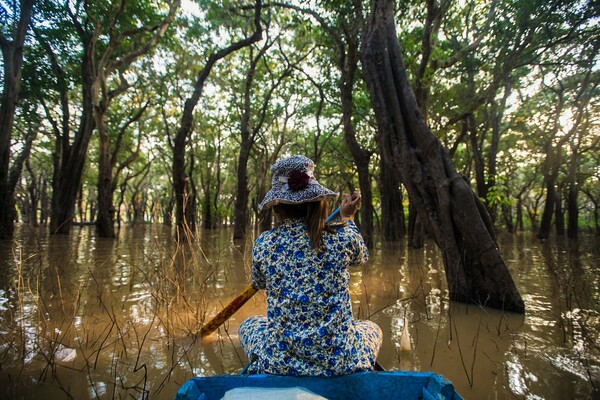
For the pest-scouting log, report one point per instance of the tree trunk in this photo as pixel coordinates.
(573, 194)
(191, 195)
(91, 205)
(451, 212)
(68, 179)
(392, 210)
(139, 204)
(70, 158)
(105, 220)
(266, 222)
(361, 159)
(546, 222)
(44, 202)
(559, 214)
(508, 218)
(12, 55)
(519, 211)
(34, 194)
(416, 236)
(217, 188)
(168, 207)
(265, 218)
(435, 13)
(478, 164)
(366, 211)
(573, 211)
(240, 208)
(209, 218)
(550, 169)
(497, 110)
(179, 145)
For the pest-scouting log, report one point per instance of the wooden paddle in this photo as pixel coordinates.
(238, 302)
(228, 311)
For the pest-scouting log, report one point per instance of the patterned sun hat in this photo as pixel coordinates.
(293, 182)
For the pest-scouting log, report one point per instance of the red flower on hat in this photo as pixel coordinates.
(298, 180)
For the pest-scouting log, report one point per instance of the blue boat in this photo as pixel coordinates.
(362, 385)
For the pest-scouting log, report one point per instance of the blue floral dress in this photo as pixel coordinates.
(309, 329)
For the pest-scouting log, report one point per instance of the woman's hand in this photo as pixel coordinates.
(350, 205)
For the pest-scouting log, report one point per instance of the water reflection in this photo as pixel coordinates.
(86, 317)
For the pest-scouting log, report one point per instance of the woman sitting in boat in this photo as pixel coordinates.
(303, 265)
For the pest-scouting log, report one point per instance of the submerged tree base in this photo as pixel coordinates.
(451, 212)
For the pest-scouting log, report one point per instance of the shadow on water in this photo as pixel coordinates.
(85, 317)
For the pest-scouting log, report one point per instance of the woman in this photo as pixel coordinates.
(302, 264)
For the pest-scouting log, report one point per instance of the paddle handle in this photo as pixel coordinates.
(228, 311)
(332, 215)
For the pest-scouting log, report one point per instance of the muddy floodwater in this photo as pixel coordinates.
(83, 317)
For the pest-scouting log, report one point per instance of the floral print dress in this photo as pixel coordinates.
(309, 329)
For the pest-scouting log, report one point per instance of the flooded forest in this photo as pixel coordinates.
(136, 140)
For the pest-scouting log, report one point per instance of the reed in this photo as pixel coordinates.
(45, 330)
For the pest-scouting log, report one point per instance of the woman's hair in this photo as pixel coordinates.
(314, 213)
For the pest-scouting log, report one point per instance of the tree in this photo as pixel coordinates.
(448, 36)
(576, 97)
(591, 189)
(12, 56)
(125, 45)
(186, 124)
(110, 38)
(342, 36)
(452, 213)
(210, 171)
(263, 79)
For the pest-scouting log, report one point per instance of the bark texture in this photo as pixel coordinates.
(451, 212)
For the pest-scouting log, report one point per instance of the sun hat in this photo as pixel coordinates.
(293, 182)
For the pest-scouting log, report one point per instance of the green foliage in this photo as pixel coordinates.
(529, 51)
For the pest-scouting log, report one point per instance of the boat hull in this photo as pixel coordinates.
(361, 385)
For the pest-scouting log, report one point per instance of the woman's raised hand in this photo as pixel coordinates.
(350, 205)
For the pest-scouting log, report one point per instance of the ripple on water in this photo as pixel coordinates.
(518, 378)
(570, 364)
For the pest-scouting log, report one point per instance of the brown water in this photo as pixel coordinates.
(83, 317)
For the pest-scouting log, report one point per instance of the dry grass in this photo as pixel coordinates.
(87, 337)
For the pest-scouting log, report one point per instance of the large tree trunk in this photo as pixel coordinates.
(12, 57)
(451, 212)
